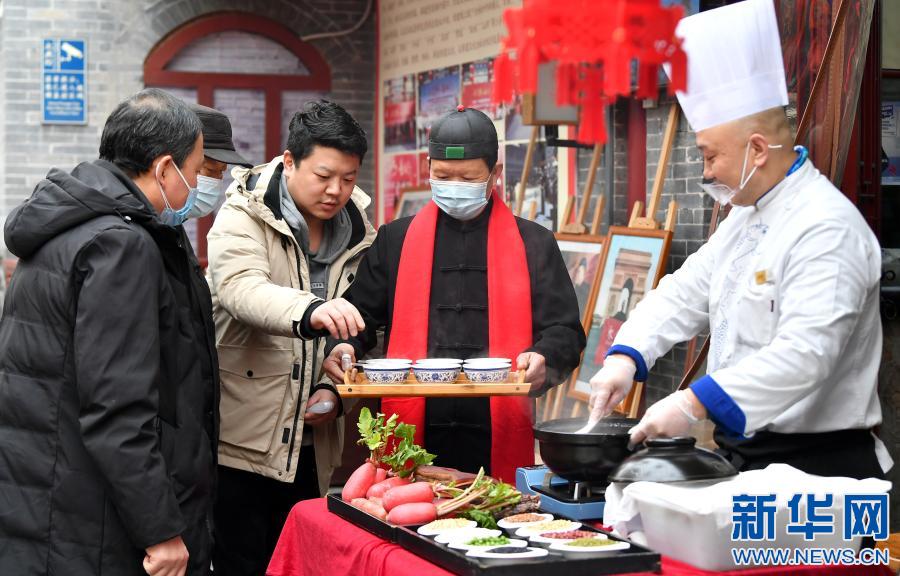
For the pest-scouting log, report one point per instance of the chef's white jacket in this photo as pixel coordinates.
(789, 289)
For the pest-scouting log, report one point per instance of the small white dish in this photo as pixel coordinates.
(525, 553)
(465, 534)
(431, 529)
(461, 545)
(587, 552)
(513, 526)
(538, 540)
(528, 531)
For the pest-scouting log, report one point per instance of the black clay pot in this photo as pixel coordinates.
(672, 460)
(584, 457)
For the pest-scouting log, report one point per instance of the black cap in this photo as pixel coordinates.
(217, 142)
(461, 135)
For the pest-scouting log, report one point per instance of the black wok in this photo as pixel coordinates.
(589, 456)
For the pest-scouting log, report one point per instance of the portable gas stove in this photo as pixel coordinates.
(576, 500)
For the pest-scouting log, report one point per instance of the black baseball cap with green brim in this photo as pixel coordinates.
(463, 134)
(217, 143)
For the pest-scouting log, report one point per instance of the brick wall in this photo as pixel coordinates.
(119, 35)
(694, 207)
(683, 175)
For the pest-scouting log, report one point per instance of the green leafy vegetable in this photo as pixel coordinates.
(407, 455)
(484, 519)
(378, 434)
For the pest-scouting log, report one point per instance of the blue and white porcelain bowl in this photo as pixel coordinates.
(481, 375)
(439, 362)
(488, 362)
(434, 372)
(388, 362)
(386, 374)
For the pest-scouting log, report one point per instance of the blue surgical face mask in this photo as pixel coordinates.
(210, 194)
(460, 200)
(169, 216)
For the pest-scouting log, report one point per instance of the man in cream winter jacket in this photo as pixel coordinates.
(284, 245)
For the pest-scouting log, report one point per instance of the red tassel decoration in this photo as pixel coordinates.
(594, 43)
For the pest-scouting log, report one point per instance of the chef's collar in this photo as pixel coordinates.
(766, 199)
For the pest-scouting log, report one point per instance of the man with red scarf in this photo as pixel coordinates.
(465, 278)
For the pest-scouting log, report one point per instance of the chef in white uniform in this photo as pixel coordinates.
(788, 286)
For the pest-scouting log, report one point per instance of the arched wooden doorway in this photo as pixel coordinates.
(160, 71)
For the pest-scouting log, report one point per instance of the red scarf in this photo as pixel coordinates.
(509, 328)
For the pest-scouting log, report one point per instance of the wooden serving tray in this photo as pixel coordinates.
(356, 386)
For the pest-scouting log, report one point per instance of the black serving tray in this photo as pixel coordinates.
(362, 519)
(635, 559)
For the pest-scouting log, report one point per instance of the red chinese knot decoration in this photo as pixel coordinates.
(593, 43)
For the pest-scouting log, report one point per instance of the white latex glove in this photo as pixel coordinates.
(672, 416)
(610, 385)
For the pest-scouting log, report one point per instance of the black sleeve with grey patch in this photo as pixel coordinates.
(303, 329)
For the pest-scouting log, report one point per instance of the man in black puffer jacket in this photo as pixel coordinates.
(108, 370)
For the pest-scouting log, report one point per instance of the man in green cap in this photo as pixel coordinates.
(464, 278)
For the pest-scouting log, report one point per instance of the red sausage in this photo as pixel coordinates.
(379, 488)
(412, 513)
(415, 492)
(369, 507)
(359, 482)
(380, 475)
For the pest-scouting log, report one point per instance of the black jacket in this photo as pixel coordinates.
(458, 430)
(108, 383)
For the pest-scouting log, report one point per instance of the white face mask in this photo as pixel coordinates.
(460, 200)
(724, 194)
(210, 195)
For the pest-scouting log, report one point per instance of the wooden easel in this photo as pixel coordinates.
(632, 402)
(648, 220)
(526, 168)
(553, 401)
(578, 226)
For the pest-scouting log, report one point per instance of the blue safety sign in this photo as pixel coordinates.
(64, 86)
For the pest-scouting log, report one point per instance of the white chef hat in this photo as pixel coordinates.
(735, 67)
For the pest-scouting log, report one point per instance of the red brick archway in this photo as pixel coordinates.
(205, 83)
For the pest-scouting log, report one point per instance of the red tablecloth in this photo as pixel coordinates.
(315, 541)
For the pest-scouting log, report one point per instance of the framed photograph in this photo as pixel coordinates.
(543, 181)
(581, 253)
(541, 108)
(411, 201)
(633, 261)
(514, 123)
